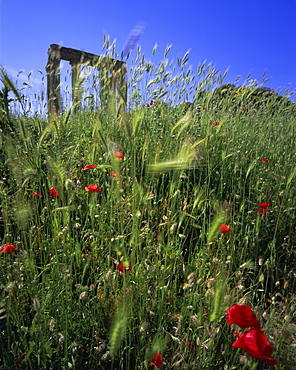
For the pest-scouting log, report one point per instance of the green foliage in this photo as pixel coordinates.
(65, 304)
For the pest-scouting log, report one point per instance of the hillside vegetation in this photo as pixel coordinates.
(132, 232)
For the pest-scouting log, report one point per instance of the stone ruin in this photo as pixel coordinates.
(112, 74)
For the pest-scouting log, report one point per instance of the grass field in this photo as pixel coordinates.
(117, 219)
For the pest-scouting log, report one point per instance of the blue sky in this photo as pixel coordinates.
(249, 36)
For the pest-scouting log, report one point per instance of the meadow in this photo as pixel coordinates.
(127, 234)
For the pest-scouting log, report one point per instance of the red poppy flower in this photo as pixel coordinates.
(18, 365)
(224, 228)
(262, 211)
(53, 192)
(191, 347)
(36, 194)
(124, 267)
(92, 188)
(203, 107)
(157, 360)
(151, 102)
(216, 123)
(96, 107)
(264, 205)
(113, 174)
(22, 356)
(118, 155)
(294, 232)
(265, 160)
(243, 107)
(89, 166)
(254, 342)
(8, 248)
(241, 315)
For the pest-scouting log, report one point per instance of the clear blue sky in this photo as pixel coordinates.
(245, 35)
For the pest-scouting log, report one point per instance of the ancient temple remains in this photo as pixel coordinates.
(112, 74)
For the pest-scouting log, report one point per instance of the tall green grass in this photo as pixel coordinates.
(64, 303)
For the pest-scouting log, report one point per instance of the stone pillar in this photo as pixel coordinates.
(112, 77)
(53, 81)
(76, 91)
